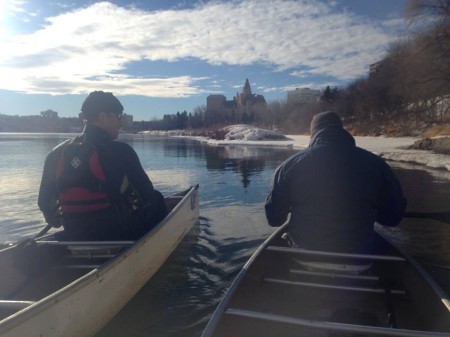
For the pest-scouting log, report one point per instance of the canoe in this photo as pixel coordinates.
(280, 292)
(62, 288)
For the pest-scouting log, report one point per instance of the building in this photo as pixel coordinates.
(243, 103)
(127, 120)
(303, 95)
(49, 114)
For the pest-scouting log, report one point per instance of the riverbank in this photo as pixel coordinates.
(400, 149)
(436, 144)
(396, 149)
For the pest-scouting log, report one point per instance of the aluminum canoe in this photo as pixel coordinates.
(276, 294)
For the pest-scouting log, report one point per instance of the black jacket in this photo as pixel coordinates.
(335, 192)
(118, 161)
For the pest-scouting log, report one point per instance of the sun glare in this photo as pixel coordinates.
(6, 10)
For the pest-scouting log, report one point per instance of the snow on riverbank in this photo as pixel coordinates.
(395, 149)
(244, 132)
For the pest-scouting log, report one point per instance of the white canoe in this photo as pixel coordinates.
(74, 288)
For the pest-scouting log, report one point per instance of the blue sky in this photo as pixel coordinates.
(160, 57)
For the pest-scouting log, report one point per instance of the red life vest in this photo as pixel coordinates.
(80, 180)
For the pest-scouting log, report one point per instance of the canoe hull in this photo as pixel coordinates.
(83, 307)
(274, 295)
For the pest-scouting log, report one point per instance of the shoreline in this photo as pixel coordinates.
(398, 149)
(431, 152)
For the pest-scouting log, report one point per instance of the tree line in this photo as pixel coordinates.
(409, 87)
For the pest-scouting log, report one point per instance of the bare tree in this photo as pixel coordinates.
(438, 11)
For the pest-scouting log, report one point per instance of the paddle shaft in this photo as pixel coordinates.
(439, 216)
(34, 237)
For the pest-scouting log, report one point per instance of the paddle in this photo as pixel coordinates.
(34, 237)
(439, 216)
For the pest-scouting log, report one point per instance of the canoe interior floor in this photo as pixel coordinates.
(42, 276)
(46, 283)
(312, 305)
(279, 291)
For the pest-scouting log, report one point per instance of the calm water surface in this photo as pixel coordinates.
(233, 184)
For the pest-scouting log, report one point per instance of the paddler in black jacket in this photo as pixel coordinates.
(94, 185)
(334, 191)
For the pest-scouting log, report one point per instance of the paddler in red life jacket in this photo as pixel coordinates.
(95, 186)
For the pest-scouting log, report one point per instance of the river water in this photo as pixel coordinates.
(233, 184)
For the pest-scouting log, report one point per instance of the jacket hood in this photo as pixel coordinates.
(332, 136)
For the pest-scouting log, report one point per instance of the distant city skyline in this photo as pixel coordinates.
(161, 57)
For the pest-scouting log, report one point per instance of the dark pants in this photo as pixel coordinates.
(147, 217)
(115, 223)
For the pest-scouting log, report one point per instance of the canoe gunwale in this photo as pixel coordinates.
(37, 307)
(430, 281)
(221, 307)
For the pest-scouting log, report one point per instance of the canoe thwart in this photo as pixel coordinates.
(301, 251)
(335, 275)
(335, 287)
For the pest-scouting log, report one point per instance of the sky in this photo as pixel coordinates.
(161, 57)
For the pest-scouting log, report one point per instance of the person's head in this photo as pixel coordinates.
(323, 120)
(104, 110)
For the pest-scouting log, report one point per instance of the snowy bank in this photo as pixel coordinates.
(396, 149)
(245, 132)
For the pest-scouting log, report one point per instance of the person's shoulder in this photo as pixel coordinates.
(295, 159)
(55, 153)
(368, 153)
(122, 147)
(58, 148)
(372, 158)
(120, 143)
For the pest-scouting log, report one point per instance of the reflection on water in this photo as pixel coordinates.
(426, 191)
(233, 184)
(179, 299)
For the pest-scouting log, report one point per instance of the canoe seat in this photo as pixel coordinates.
(88, 250)
(94, 251)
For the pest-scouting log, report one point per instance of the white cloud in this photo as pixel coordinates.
(92, 46)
